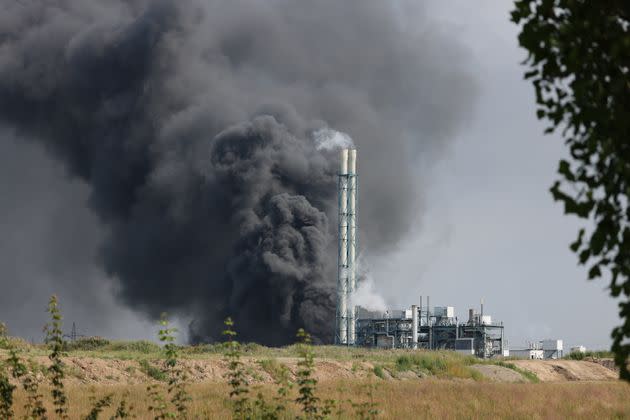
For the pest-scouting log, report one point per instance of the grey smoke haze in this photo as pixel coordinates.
(188, 126)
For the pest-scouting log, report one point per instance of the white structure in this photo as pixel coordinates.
(552, 349)
(536, 354)
(414, 326)
(444, 311)
(346, 275)
(578, 349)
(545, 349)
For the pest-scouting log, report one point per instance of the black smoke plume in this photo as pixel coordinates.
(192, 123)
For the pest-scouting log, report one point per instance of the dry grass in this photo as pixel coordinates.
(414, 399)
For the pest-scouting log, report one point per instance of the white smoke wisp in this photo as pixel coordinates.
(329, 139)
(367, 297)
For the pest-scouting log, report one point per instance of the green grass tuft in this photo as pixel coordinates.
(378, 371)
(152, 371)
(530, 376)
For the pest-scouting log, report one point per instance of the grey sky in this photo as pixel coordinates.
(489, 229)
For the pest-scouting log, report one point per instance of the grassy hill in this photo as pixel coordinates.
(396, 383)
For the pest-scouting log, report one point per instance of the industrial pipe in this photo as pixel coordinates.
(414, 326)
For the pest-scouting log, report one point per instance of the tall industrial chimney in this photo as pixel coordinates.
(346, 275)
(352, 242)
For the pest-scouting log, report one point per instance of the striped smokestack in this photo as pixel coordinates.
(346, 274)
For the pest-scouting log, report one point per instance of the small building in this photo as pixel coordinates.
(552, 348)
(535, 354)
(578, 349)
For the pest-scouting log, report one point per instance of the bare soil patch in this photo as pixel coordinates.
(566, 370)
(499, 373)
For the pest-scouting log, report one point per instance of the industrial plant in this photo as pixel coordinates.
(415, 328)
(420, 326)
(437, 328)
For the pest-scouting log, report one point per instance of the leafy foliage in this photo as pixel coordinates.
(54, 338)
(124, 409)
(239, 386)
(86, 343)
(306, 382)
(98, 407)
(282, 405)
(579, 64)
(6, 388)
(176, 375)
(593, 354)
(367, 410)
(171, 372)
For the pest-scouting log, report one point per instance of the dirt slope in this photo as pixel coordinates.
(93, 370)
(566, 370)
(110, 371)
(499, 373)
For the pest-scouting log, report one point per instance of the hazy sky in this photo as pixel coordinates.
(490, 228)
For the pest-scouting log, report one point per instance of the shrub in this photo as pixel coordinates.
(54, 338)
(601, 354)
(239, 386)
(140, 346)
(176, 375)
(98, 406)
(86, 344)
(214, 348)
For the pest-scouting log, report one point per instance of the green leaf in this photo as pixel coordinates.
(578, 242)
(594, 272)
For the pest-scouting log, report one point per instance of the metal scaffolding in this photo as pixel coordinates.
(435, 331)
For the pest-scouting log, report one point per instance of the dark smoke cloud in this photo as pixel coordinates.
(192, 125)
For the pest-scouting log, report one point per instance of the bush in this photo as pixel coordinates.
(140, 346)
(216, 348)
(601, 354)
(86, 344)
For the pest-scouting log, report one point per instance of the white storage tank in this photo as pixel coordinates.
(555, 345)
(444, 311)
(486, 320)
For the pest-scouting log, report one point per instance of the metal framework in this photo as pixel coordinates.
(434, 332)
(345, 332)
